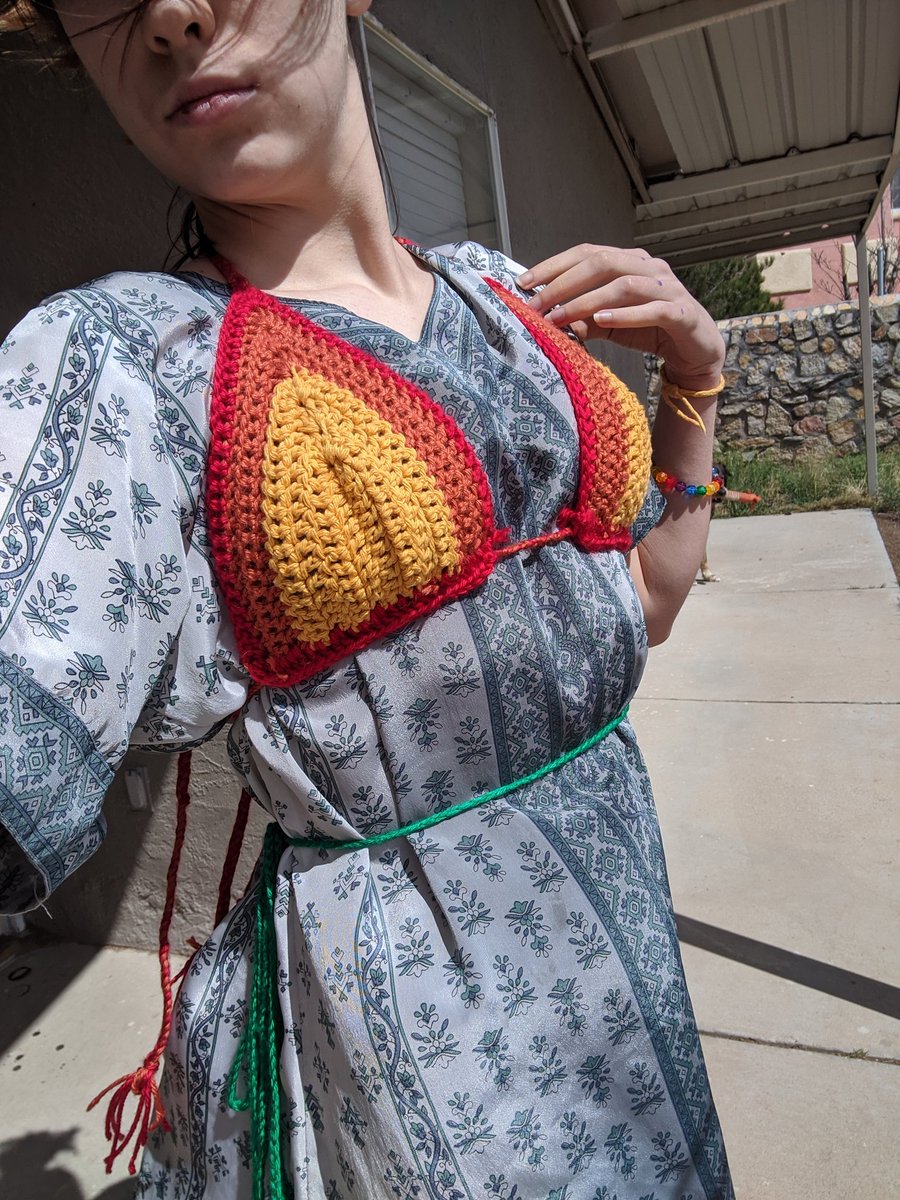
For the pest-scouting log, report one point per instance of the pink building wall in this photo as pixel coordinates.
(827, 261)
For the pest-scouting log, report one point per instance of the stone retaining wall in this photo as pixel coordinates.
(794, 381)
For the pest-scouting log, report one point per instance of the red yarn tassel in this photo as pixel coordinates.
(150, 1113)
(235, 844)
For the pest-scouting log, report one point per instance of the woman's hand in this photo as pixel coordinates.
(627, 297)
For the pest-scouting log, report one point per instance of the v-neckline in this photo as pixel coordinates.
(265, 343)
(415, 342)
(301, 303)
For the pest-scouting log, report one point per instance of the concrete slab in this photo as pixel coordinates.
(70, 1044)
(802, 1126)
(783, 841)
(780, 822)
(806, 610)
(771, 725)
(808, 646)
(740, 1000)
(823, 551)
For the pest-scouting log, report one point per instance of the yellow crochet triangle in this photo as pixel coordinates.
(353, 518)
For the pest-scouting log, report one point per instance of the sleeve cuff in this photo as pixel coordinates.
(651, 511)
(52, 784)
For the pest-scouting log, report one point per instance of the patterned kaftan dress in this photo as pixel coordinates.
(492, 1008)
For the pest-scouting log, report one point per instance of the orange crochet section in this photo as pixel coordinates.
(344, 503)
(353, 518)
(612, 427)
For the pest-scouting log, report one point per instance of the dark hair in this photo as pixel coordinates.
(47, 44)
(43, 38)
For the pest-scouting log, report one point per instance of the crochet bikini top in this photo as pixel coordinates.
(344, 503)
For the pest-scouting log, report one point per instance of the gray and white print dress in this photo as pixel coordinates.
(491, 1009)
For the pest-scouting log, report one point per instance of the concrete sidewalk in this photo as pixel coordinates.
(771, 723)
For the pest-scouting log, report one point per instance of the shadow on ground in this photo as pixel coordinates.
(24, 990)
(74, 924)
(28, 1170)
(810, 972)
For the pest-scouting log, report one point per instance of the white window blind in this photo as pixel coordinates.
(439, 151)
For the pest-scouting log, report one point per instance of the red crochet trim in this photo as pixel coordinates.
(150, 1114)
(232, 855)
(261, 340)
(602, 437)
(234, 496)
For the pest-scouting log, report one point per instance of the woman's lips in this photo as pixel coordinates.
(210, 108)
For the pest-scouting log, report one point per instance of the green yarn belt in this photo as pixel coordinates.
(259, 1049)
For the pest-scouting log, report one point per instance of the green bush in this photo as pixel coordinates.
(730, 287)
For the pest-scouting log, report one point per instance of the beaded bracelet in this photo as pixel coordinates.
(668, 483)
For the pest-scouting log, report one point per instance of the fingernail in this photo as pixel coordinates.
(534, 302)
(524, 279)
(602, 317)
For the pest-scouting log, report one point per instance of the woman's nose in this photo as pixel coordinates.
(169, 25)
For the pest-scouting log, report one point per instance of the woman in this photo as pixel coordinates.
(418, 588)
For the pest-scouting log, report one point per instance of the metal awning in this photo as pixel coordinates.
(747, 125)
(744, 125)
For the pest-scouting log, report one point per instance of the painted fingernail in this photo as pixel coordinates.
(524, 279)
(602, 317)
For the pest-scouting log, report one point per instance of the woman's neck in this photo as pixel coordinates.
(338, 249)
(329, 236)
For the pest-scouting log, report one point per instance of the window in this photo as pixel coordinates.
(895, 193)
(440, 143)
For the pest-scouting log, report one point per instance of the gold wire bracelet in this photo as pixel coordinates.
(672, 394)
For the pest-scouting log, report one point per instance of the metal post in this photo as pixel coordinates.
(865, 329)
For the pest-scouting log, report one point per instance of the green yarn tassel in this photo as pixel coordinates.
(259, 1048)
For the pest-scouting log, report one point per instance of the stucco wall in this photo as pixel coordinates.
(76, 201)
(812, 275)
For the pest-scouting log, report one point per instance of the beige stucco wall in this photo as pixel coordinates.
(787, 271)
(76, 200)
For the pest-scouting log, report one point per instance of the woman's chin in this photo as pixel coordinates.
(247, 177)
(228, 190)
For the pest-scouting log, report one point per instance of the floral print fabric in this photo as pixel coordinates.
(494, 1007)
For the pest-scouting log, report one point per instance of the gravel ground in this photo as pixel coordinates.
(889, 528)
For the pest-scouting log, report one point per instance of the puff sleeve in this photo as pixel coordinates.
(94, 580)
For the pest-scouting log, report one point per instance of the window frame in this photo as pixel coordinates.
(372, 27)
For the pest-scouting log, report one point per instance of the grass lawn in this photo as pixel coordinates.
(813, 484)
